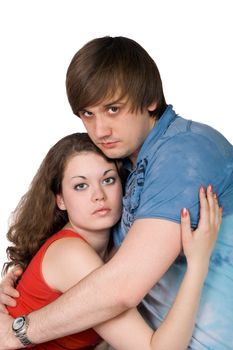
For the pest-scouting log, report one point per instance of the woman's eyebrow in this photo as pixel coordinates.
(108, 171)
(84, 177)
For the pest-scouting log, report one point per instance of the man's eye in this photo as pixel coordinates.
(113, 109)
(81, 186)
(85, 114)
(109, 181)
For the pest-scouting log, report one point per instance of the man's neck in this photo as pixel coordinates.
(133, 158)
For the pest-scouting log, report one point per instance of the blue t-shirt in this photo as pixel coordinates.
(178, 157)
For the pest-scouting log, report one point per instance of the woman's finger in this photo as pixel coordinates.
(186, 231)
(204, 222)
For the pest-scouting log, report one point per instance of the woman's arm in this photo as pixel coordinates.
(129, 331)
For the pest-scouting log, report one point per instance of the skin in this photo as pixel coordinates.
(92, 197)
(110, 126)
(87, 191)
(119, 133)
(116, 130)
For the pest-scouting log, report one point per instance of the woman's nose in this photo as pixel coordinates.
(98, 195)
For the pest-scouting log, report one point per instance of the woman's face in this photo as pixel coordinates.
(91, 193)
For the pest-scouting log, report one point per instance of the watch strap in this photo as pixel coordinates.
(21, 334)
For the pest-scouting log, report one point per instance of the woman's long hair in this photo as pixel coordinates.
(37, 215)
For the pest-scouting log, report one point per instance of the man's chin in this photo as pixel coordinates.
(114, 153)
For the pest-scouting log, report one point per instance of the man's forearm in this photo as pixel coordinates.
(113, 288)
(81, 307)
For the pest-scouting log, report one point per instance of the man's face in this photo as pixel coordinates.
(117, 131)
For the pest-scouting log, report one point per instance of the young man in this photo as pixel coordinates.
(114, 86)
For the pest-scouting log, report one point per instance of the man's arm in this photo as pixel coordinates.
(207, 226)
(8, 293)
(146, 253)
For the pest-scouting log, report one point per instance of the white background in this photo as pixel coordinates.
(190, 40)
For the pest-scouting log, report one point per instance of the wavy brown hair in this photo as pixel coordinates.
(37, 215)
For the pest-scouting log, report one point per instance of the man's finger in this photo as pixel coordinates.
(8, 300)
(9, 290)
(3, 309)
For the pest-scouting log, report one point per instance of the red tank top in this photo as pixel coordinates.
(35, 293)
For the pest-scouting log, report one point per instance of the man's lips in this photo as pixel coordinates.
(109, 144)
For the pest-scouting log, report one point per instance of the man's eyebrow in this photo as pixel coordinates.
(83, 110)
(120, 100)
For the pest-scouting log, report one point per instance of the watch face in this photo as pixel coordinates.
(18, 323)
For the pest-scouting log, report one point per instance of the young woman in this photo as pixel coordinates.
(60, 232)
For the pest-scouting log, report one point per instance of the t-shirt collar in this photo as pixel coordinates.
(158, 130)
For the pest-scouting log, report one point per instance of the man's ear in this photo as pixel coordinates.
(152, 106)
(60, 202)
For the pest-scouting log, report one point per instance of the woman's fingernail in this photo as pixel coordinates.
(184, 212)
(202, 189)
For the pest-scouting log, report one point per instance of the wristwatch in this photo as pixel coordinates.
(19, 327)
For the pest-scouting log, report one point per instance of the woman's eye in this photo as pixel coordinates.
(80, 186)
(109, 181)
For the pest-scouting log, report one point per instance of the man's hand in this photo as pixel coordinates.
(7, 339)
(8, 293)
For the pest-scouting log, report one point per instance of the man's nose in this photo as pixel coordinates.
(102, 128)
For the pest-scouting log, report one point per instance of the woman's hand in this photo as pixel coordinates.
(8, 293)
(198, 244)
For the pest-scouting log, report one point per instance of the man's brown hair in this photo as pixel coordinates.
(109, 65)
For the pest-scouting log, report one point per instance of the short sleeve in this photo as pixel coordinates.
(174, 174)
